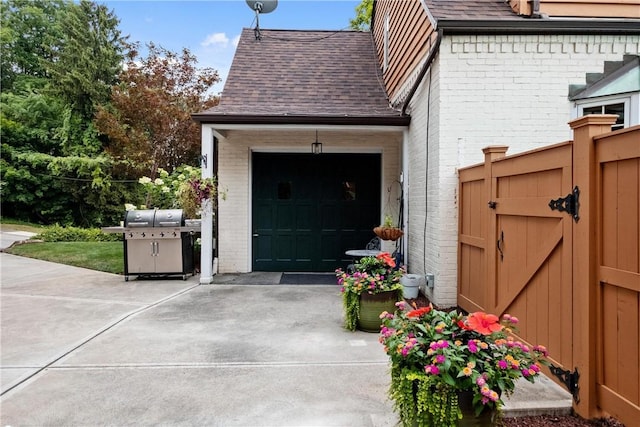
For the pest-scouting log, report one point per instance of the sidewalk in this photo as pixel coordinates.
(88, 348)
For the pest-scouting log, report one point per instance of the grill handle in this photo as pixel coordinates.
(137, 224)
(169, 223)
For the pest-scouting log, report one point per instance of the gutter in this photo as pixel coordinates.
(541, 26)
(423, 71)
(221, 118)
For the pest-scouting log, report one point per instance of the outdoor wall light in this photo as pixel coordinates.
(316, 147)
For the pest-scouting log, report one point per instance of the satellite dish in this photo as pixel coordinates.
(261, 6)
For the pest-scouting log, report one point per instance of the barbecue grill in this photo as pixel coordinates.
(156, 242)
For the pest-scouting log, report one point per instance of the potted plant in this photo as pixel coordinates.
(373, 287)
(193, 193)
(387, 231)
(448, 368)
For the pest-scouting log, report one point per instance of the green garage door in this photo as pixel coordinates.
(309, 209)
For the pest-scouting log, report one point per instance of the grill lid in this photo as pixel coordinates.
(169, 218)
(139, 218)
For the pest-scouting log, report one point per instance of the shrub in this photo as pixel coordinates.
(57, 233)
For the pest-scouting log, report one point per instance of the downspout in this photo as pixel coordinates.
(423, 72)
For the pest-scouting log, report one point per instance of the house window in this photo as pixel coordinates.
(619, 107)
(348, 190)
(385, 59)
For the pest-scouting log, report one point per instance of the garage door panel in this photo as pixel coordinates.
(285, 217)
(329, 217)
(283, 246)
(305, 217)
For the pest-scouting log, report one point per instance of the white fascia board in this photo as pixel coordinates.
(220, 128)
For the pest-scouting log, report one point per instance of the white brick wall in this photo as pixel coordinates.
(487, 90)
(234, 176)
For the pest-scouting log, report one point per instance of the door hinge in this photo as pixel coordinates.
(569, 379)
(569, 204)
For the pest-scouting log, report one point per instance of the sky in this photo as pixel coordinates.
(210, 28)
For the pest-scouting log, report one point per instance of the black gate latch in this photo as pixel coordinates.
(569, 204)
(569, 379)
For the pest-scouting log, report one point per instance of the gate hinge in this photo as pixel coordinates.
(569, 379)
(569, 204)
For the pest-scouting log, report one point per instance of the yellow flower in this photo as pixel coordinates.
(467, 371)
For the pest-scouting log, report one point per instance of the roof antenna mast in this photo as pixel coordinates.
(261, 6)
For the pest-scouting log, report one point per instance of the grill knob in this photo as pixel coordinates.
(143, 235)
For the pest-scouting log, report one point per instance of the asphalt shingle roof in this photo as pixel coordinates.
(304, 73)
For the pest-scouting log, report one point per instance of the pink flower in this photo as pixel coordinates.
(440, 359)
(502, 364)
(432, 369)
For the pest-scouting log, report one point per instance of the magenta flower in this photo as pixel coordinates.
(502, 364)
(432, 369)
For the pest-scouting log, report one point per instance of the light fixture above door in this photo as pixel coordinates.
(316, 147)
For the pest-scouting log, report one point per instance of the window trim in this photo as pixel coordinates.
(603, 101)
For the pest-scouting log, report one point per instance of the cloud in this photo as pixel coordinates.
(236, 40)
(216, 39)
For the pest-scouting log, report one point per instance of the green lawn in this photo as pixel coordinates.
(101, 256)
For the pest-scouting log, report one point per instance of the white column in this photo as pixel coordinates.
(206, 255)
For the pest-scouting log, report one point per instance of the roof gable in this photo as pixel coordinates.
(289, 73)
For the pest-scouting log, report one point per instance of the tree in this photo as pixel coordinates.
(29, 38)
(89, 59)
(149, 120)
(362, 21)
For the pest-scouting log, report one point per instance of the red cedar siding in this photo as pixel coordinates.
(409, 33)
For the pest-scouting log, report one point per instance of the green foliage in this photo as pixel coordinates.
(373, 275)
(444, 353)
(29, 38)
(89, 57)
(149, 119)
(30, 118)
(362, 21)
(66, 190)
(420, 402)
(57, 233)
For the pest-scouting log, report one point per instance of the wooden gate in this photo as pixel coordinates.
(618, 274)
(538, 232)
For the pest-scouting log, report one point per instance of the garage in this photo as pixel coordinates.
(307, 210)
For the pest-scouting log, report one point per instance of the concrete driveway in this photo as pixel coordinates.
(81, 347)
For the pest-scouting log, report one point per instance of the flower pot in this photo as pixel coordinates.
(388, 233)
(486, 418)
(371, 305)
(410, 285)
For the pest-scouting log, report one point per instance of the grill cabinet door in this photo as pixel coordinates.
(168, 256)
(140, 257)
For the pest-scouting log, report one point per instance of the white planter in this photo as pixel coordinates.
(411, 285)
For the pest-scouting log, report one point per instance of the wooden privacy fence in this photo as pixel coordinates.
(552, 236)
